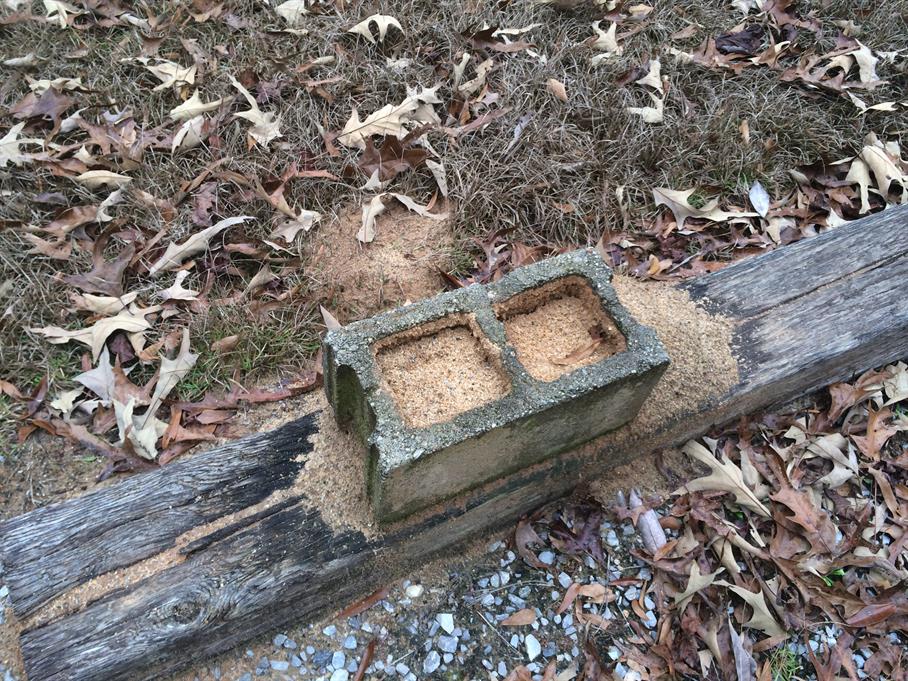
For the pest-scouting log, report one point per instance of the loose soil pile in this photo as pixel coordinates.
(435, 375)
(559, 327)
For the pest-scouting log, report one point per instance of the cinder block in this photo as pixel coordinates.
(472, 385)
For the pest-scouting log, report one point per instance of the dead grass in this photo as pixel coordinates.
(553, 184)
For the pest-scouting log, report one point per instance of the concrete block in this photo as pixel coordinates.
(474, 384)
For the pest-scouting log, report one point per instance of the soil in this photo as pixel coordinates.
(44, 469)
(433, 374)
(559, 327)
(402, 264)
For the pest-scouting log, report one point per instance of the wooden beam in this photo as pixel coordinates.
(805, 315)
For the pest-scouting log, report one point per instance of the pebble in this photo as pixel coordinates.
(447, 644)
(280, 665)
(340, 675)
(338, 660)
(414, 590)
(502, 669)
(330, 630)
(547, 557)
(564, 580)
(445, 621)
(350, 642)
(279, 640)
(431, 663)
(533, 647)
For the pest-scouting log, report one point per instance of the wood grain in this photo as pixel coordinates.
(806, 315)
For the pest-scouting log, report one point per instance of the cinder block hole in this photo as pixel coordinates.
(438, 370)
(558, 327)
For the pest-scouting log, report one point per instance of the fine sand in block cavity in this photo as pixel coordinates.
(559, 327)
(439, 370)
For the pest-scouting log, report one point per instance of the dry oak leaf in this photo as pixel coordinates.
(859, 174)
(193, 107)
(596, 593)
(376, 207)
(197, 243)
(189, 135)
(762, 619)
(650, 114)
(170, 73)
(521, 618)
(143, 438)
(10, 146)
(265, 125)
(818, 527)
(415, 109)
(382, 21)
(143, 431)
(725, 476)
(896, 384)
(102, 305)
(878, 433)
(131, 320)
(105, 276)
(695, 582)
(677, 202)
(176, 291)
(172, 372)
(293, 11)
(303, 222)
(100, 380)
(605, 42)
(884, 168)
(59, 11)
(95, 179)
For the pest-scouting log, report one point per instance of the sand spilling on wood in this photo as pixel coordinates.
(332, 480)
(433, 374)
(559, 327)
(699, 345)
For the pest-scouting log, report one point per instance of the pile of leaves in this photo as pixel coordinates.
(795, 540)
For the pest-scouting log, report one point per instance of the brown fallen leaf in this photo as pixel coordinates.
(225, 344)
(363, 604)
(106, 276)
(521, 618)
(556, 87)
(725, 476)
(524, 536)
(879, 430)
(366, 660)
(818, 527)
(597, 593)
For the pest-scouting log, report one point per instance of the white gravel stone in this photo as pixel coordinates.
(432, 662)
(533, 647)
(446, 621)
(340, 675)
(414, 590)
